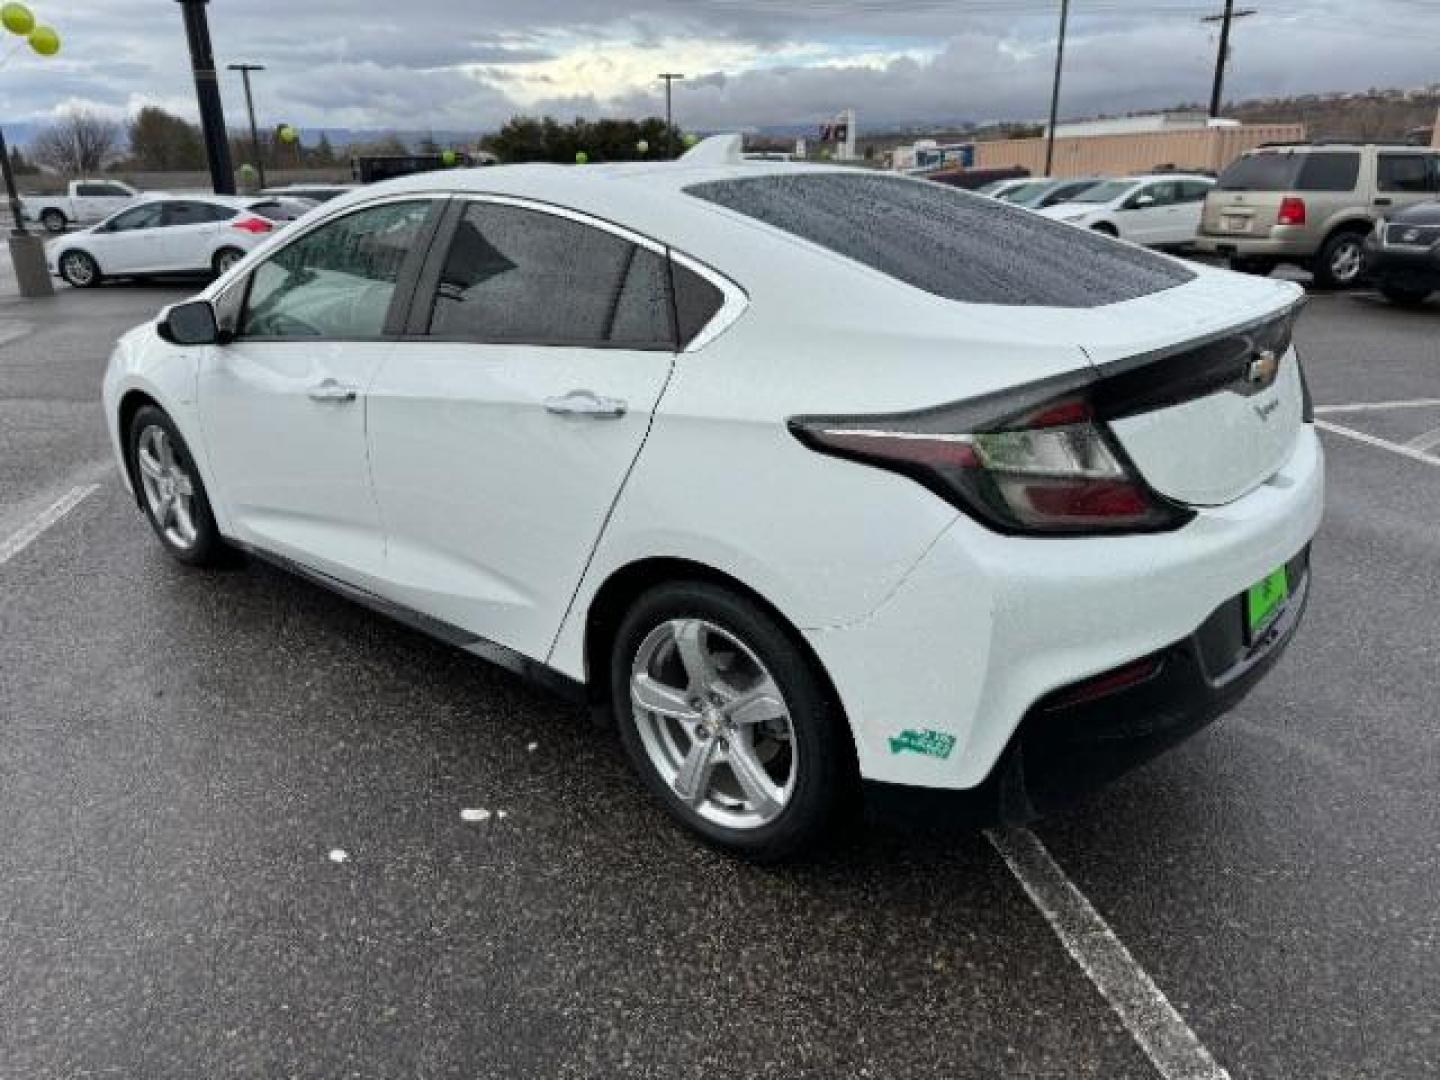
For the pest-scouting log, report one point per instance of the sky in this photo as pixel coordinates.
(471, 64)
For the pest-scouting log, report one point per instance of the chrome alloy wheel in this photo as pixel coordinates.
(714, 723)
(77, 268)
(1347, 260)
(169, 488)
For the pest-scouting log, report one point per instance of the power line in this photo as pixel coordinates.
(1228, 16)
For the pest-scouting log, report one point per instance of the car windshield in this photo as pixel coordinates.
(1107, 191)
(1023, 192)
(950, 243)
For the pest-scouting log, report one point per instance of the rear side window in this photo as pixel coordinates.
(196, 213)
(1406, 172)
(696, 302)
(1260, 172)
(1328, 172)
(948, 242)
(526, 276)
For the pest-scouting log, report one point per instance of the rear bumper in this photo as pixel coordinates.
(1063, 752)
(1252, 247)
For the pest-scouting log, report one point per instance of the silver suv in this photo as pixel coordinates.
(1312, 205)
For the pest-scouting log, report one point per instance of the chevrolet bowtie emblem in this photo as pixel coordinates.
(1264, 366)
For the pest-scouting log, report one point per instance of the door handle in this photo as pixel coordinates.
(331, 392)
(586, 403)
(1384, 202)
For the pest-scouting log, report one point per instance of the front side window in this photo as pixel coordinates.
(1158, 194)
(1193, 191)
(526, 276)
(148, 216)
(336, 281)
(1411, 173)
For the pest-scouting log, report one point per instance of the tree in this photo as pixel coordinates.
(427, 145)
(161, 141)
(524, 138)
(323, 155)
(78, 144)
(19, 164)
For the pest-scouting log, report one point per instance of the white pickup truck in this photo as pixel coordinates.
(87, 202)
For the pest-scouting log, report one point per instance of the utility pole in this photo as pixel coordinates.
(207, 92)
(245, 70)
(670, 77)
(1055, 90)
(1222, 58)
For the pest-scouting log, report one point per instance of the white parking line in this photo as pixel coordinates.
(1144, 1010)
(1373, 406)
(1372, 440)
(17, 542)
(1428, 441)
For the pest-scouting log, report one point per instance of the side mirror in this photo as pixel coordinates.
(191, 323)
(1142, 201)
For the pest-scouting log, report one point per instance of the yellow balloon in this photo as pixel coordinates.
(44, 40)
(17, 19)
(582, 158)
(287, 133)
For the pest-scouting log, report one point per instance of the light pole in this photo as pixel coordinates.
(670, 77)
(207, 92)
(1055, 91)
(245, 70)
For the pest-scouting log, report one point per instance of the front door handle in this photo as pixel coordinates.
(1384, 202)
(331, 392)
(586, 403)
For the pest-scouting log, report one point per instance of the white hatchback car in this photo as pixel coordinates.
(815, 477)
(171, 235)
(1162, 210)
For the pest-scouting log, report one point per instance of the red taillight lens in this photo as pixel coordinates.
(253, 225)
(1050, 469)
(1292, 211)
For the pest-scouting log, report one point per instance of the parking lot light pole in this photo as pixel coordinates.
(1055, 90)
(27, 253)
(245, 70)
(669, 77)
(207, 92)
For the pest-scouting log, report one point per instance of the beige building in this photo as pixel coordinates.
(1207, 149)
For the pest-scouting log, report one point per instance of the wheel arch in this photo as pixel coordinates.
(1349, 224)
(131, 402)
(625, 585)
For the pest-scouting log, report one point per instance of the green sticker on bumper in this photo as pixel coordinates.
(1264, 599)
(930, 743)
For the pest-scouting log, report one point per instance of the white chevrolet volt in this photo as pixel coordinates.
(825, 482)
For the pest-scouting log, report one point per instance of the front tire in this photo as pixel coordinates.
(171, 492)
(727, 721)
(1402, 297)
(53, 221)
(80, 270)
(1341, 261)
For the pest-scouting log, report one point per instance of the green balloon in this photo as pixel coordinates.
(44, 40)
(247, 170)
(288, 134)
(17, 19)
(643, 146)
(582, 158)
(449, 157)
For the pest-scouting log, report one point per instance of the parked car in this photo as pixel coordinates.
(319, 193)
(975, 179)
(1159, 210)
(1043, 193)
(171, 235)
(1402, 254)
(997, 189)
(817, 477)
(1312, 205)
(85, 201)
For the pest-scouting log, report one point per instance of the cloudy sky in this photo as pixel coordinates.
(471, 64)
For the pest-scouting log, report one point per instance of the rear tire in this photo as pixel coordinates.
(53, 221)
(1402, 297)
(765, 782)
(80, 270)
(1340, 263)
(171, 491)
(1260, 267)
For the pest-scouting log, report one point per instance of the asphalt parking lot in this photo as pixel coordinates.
(184, 754)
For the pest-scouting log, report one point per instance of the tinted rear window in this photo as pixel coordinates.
(1324, 171)
(949, 242)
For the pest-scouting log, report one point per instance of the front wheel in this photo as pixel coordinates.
(79, 269)
(1341, 261)
(53, 221)
(727, 721)
(171, 492)
(1402, 297)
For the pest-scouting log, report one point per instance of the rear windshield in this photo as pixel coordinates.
(1325, 171)
(949, 242)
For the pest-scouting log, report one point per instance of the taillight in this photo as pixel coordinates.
(1292, 211)
(253, 224)
(1017, 462)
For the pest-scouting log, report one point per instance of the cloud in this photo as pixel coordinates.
(470, 64)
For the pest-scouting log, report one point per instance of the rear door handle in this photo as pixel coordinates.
(1384, 202)
(586, 403)
(331, 392)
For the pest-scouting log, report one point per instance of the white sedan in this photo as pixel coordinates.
(1162, 210)
(171, 235)
(818, 479)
